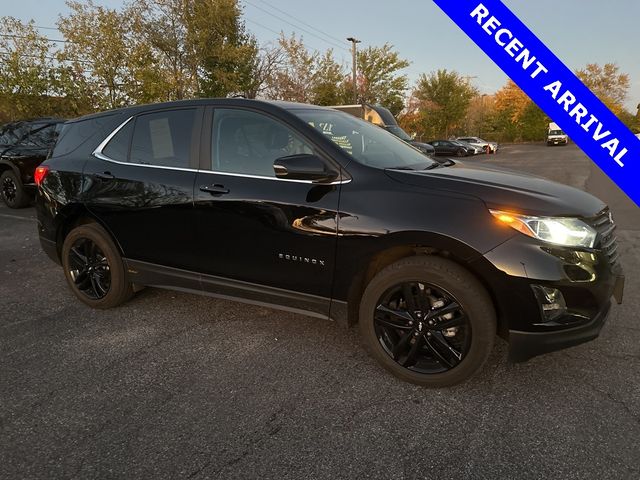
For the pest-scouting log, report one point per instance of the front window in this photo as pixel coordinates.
(556, 132)
(247, 142)
(366, 143)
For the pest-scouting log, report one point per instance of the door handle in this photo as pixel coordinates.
(215, 189)
(105, 176)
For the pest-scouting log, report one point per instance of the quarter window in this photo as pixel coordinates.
(163, 138)
(118, 147)
(248, 142)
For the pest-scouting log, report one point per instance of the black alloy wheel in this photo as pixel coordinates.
(89, 269)
(94, 268)
(422, 327)
(427, 320)
(9, 189)
(12, 192)
(460, 153)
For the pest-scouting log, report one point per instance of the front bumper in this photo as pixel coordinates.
(587, 281)
(526, 345)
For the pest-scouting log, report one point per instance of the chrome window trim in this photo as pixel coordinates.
(264, 177)
(98, 154)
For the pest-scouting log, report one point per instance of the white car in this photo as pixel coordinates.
(479, 142)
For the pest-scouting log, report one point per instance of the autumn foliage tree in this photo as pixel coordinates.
(442, 99)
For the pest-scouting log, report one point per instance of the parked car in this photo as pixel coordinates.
(492, 147)
(471, 149)
(451, 148)
(314, 211)
(555, 136)
(381, 116)
(23, 146)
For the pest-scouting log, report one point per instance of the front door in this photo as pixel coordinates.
(274, 240)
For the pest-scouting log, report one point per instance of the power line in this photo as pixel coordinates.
(7, 35)
(296, 26)
(47, 57)
(339, 40)
(273, 31)
(263, 26)
(47, 28)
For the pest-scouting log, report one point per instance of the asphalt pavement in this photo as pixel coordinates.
(173, 385)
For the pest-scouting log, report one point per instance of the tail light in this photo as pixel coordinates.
(40, 173)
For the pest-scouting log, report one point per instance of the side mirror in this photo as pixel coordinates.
(304, 167)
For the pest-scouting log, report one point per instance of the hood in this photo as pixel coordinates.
(505, 189)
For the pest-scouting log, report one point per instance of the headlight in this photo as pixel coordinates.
(571, 232)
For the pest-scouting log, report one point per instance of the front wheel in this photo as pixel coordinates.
(94, 268)
(428, 321)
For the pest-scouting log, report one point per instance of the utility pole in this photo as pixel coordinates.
(354, 52)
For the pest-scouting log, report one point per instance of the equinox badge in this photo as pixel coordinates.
(298, 258)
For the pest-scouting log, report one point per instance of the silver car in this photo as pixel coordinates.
(478, 142)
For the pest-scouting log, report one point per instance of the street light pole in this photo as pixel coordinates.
(354, 42)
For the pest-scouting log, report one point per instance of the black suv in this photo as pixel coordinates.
(23, 146)
(314, 211)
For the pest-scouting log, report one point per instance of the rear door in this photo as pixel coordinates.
(140, 185)
(273, 240)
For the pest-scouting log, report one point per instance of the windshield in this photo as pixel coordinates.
(365, 142)
(399, 132)
(556, 132)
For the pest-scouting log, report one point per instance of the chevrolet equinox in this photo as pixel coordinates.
(311, 210)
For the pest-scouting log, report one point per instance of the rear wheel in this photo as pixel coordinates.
(428, 321)
(12, 191)
(94, 268)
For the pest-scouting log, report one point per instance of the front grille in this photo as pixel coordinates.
(607, 241)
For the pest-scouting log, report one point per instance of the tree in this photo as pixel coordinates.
(306, 76)
(26, 67)
(224, 52)
(266, 63)
(327, 81)
(161, 24)
(444, 97)
(379, 80)
(292, 81)
(100, 44)
(516, 117)
(607, 83)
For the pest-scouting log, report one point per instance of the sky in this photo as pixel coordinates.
(577, 31)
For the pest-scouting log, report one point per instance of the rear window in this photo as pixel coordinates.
(12, 133)
(42, 135)
(163, 138)
(75, 134)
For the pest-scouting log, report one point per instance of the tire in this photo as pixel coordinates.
(434, 366)
(100, 280)
(12, 191)
(461, 153)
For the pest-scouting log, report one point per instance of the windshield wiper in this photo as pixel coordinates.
(447, 163)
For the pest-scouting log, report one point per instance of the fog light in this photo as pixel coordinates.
(551, 301)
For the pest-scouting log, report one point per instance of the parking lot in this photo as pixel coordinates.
(173, 385)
